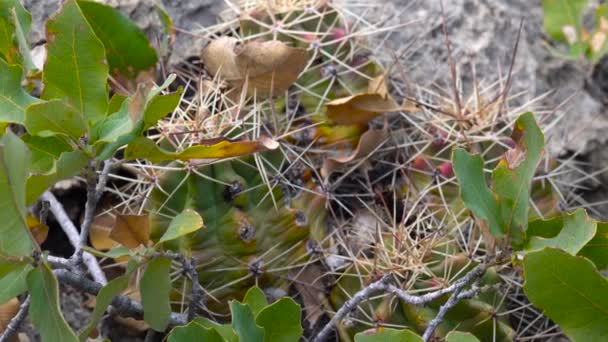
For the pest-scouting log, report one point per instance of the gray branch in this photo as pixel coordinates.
(95, 188)
(16, 321)
(351, 304)
(456, 289)
(72, 233)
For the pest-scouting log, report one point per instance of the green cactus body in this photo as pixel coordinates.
(246, 239)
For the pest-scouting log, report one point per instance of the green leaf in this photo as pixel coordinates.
(186, 222)
(577, 229)
(75, 69)
(13, 99)
(244, 324)
(129, 122)
(155, 287)
(159, 106)
(281, 321)
(45, 151)
(474, 190)
(194, 332)
(9, 27)
(459, 336)
(114, 126)
(13, 279)
(387, 334)
(68, 165)
(228, 334)
(256, 300)
(570, 291)
(127, 48)
(45, 311)
(55, 117)
(513, 179)
(560, 15)
(14, 165)
(144, 148)
(597, 249)
(103, 300)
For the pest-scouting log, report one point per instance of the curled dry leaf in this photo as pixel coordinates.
(131, 230)
(369, 141)
(265, 67)
(8, 310)
(361, 108)
(39, 230)
(145, 148)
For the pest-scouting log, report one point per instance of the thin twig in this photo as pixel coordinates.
(72, 233)
(473, 275)
(383, 285)
(189, 269)
(196, 293)
(123, 305)
(95, 188)
(16, 321)
(351, 304)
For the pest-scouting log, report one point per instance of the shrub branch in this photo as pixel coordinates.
(383, 285)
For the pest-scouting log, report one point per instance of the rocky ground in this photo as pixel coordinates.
(482, 33)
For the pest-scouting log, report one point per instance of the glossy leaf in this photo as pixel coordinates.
(45, 311)
(244, 323)
(459, 336)
(131, 230)
(159, 106)
(576, 230)
(45, 151)
(68, 165)
(13, 279)
(9, 26)
(13, 98)
(137, 114)
(111, 128)
(103, 300)
(597, 249)
(281, 321)
(75, 69)
(256, 300)
(513, 175)
(14, 165)
(563, 19)
(194, 332)
(144, 148)
(127, 49)
(474, 190)
(505, 207)
(155, 287)
(55, 117)
(570, 291)
(228, 334)
(186, 222)
(387, 334)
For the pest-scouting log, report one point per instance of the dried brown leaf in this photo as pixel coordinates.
(131, 230)
(367, 143)
(361, 108)
(39, 231)
(8, 310)
(263, 67)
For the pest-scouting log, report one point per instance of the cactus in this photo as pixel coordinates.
(271, 213)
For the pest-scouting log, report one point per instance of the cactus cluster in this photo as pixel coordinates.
(395, 208)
